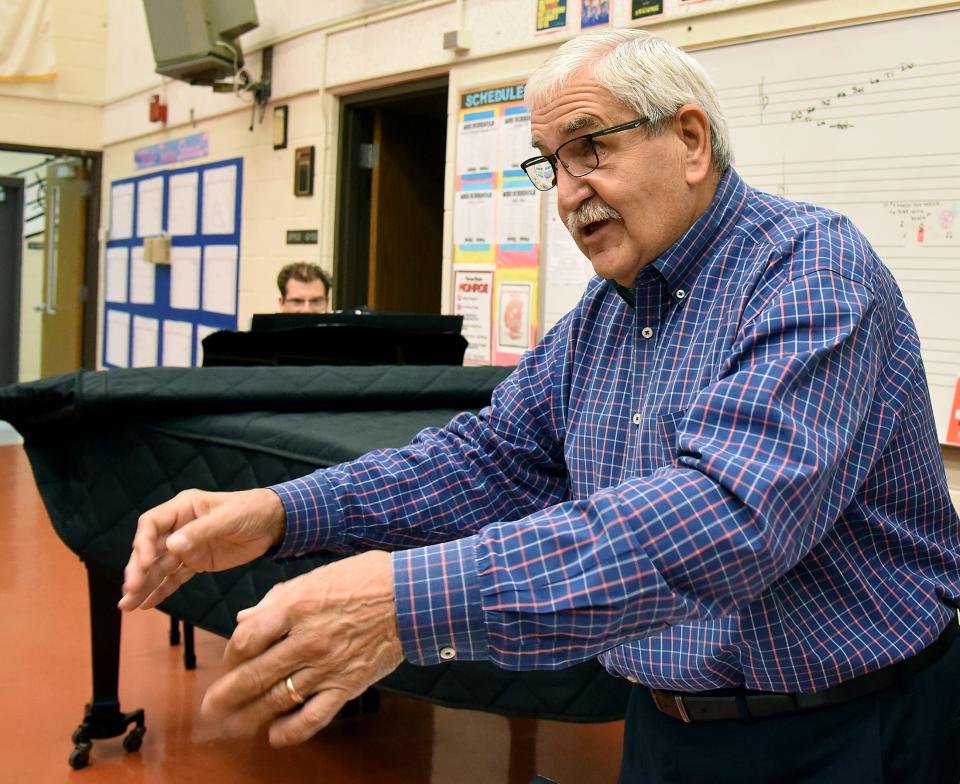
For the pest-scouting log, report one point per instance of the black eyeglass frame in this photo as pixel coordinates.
(553, 157)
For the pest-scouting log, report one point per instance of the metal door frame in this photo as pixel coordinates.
(15, 186)
(91, 256)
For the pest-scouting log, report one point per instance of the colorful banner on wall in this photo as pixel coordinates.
(594, 13)
(551, 15)
(496, 220)
(641, 9)
(186, 148)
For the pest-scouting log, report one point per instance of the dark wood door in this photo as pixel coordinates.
(406, 212)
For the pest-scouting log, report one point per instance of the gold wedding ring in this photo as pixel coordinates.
(296, 696)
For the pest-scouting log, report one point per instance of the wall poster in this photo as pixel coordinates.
(551, 15)
(496, 226)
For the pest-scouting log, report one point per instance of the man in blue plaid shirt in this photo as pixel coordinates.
(718, 473)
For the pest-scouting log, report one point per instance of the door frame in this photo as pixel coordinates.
(352, 213)
(16, 187)
(91, 255)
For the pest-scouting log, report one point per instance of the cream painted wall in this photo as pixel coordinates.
(66, 111)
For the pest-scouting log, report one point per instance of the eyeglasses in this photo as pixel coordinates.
(316, 302)
(579, 156)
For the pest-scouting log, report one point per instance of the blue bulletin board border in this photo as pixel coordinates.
(160, 309)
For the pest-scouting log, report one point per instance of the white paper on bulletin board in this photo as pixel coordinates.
(474, 218)
(177, 343)
(514, 142)
(219, 200)
(143, 278)
(185, 277)
(116, 275)
(121, 211)
(220, 279)
(182, 204)
(118, 338)
(477, 144)
(518, 216)
(150, 207)
(146, 341)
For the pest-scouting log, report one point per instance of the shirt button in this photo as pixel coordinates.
(448, 652)
(636, 418)
(632, 679)
(680, 294)
(646, 333)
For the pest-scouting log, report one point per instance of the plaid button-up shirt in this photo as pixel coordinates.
(726, 475)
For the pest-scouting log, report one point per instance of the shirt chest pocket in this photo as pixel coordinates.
(656, 445)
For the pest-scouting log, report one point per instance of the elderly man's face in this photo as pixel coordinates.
(303, 297)
(644, 180)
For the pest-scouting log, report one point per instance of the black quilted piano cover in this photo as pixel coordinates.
(105, 446)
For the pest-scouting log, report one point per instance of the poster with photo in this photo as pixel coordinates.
(594, 13)
(473, 299)
(513, 315)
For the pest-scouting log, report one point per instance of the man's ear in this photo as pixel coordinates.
(692, 127)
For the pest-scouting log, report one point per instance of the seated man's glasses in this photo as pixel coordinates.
(579, 156)
(316, 302)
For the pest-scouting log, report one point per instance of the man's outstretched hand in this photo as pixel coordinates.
(196, 531)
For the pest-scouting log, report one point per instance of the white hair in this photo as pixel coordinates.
(640, 70)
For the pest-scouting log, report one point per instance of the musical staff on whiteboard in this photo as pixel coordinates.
(837, 101)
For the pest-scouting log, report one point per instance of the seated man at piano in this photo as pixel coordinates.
(304, 288)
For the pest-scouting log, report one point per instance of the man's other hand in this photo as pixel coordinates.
(310, 645)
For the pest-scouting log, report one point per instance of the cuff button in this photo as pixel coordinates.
(447, 652)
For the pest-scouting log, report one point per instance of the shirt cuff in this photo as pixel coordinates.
(313, 516)
(439, 609)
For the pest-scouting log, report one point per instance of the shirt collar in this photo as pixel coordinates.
(679, 264)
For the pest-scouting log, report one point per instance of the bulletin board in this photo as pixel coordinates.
(496, 228)
(158, 314)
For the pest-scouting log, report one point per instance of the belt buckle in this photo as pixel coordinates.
(671, 704)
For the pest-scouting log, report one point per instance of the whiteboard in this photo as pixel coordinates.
(865, 120)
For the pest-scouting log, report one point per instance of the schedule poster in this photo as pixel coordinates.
(497, 214)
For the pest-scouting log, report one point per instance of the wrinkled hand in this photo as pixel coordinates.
(196, 531)
(333, 631)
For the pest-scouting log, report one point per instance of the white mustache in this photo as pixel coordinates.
(590, 212)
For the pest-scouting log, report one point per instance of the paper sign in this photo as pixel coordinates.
(177, 343)
(220, 279)
(473, 299)
(953, 424)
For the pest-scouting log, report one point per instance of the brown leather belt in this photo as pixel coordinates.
(746, 704)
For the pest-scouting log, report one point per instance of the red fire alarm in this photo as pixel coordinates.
(158, 110)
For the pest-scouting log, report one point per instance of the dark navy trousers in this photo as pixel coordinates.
(907, 734)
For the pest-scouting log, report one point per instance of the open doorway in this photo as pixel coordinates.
(389, 237)
(48, 261)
